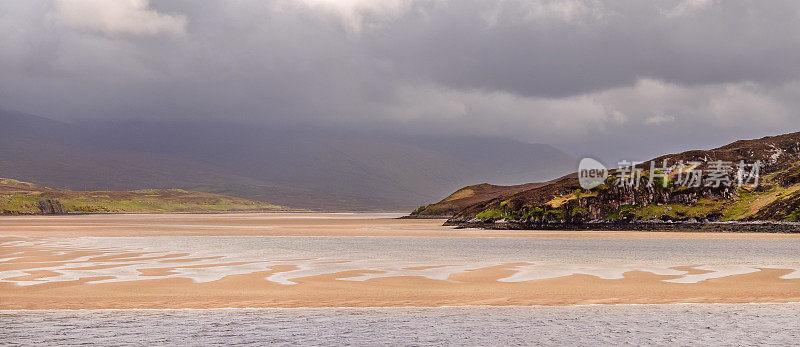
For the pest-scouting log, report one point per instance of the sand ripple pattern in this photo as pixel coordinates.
(29, 261)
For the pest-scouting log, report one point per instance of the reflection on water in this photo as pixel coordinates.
(696, 324)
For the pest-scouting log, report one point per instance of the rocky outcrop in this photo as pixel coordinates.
(49, 206)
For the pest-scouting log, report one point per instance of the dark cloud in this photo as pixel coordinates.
(575, 73)
(576, 47)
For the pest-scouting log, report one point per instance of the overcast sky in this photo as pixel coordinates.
(611, 79)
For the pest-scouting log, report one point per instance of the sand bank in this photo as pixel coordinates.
(300, 224)
(472, 288)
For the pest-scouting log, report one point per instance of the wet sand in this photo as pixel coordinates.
(31, 248)
(475, 288)
(302, 224)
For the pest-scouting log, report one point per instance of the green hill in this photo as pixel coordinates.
(17, 197)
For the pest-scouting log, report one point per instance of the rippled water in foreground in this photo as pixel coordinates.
(695, 324)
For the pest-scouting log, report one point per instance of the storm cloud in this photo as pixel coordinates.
(602, 78)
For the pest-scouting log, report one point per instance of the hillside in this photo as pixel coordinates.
(17, 197)
(312, 167)
(563, 201)
(467, 196)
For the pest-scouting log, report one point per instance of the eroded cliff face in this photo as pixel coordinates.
(49, 206)
(773, 194)
(612, 203)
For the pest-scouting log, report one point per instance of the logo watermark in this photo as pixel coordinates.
(591, 173)
(719, 173)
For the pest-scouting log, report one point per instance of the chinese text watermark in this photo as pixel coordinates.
(715, 174)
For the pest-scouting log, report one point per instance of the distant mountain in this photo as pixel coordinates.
(298, 166)
(776, 197)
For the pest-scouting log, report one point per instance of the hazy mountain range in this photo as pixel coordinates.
(314, 167)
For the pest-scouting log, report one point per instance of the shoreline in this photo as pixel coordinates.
(315, 224)
(365, 308)
(230, 212)
(642, 226)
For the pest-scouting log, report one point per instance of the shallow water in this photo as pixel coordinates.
(210, 258)
(695, 324)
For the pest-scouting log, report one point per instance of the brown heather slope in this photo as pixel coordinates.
(468, 196)
(562, 200)
(12, 186)
(17, 197)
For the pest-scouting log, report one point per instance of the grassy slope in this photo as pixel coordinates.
(18, 197)
(468, 196)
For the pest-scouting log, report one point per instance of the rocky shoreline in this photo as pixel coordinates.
(426, 216)
(637, 225)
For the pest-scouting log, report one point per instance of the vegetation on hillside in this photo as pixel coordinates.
(775, 198)
(18, 197)
(467, 196)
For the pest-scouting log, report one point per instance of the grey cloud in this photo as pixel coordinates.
(575, 73)
(117, 17)
(612, 44)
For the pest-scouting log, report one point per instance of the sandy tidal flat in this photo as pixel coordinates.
(367, 260)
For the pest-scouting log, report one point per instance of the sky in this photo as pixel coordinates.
(614, 80)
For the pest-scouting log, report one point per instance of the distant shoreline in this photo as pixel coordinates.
(426, 217)
(19, 214)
